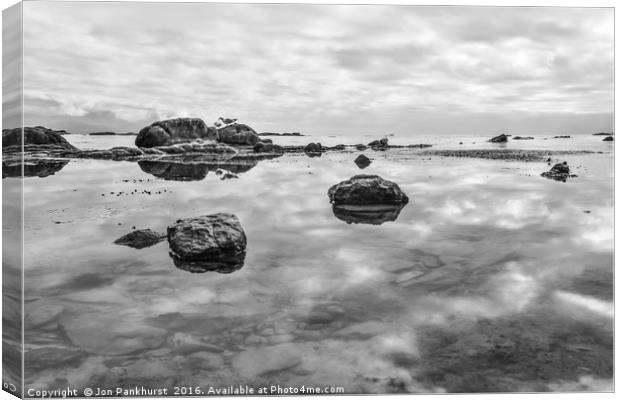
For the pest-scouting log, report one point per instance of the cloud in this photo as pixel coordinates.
(318, 68)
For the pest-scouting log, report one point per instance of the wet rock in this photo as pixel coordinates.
(214, 242)
(379, 143)
(262, 147)
(34, 138)
(140, 238)
(40, 168)
(362, 161)
(260, 361)
(499, 139)
(367, 214)
(313, 148)
(366, 190)
(522, 138)
(559, 172)
(178, 130)
(608, 139)
(238, 134)
(225, 174)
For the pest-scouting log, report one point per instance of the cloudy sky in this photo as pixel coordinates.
(319, 69)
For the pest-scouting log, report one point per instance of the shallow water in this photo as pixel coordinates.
(492, 278)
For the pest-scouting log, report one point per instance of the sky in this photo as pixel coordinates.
(320, 69)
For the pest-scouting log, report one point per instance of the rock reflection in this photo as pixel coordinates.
(193, 171)
(40, 168)
(367, 214)
(220, 265)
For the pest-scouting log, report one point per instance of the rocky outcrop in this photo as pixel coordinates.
(140, 238)
(608, 139)
(172, 131)
(34, 138)
(362, 161)
(559, 172)
(261, 147)
(371, 214)
(499, 139)
(366, 190)
(238, 134)
(379, 144)
(39, 168)
(214, 242)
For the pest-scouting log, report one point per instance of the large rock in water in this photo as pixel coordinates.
(499, 139)
(238, 134)
(366, 190)
(179, 130)
(608, 139)
(362, 161)
(214, 242)
(559, 172)
(37, 137)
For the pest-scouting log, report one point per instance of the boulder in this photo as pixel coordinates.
(499, 139)
(36, 137)
(239, 134)
(379, 143)
(608, 139)
(367, 214)
(362, 161)
(178, 130)
(559, 172)
(261, 147)
(214, 242)
(313, 148)
(140, 238)
(366, 190)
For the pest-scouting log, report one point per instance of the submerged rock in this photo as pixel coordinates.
(362, 161)
(238, 134)
(140, 238)
(178, 130)
(608, 139)
(367, 214)
(559, 172)
(34, 138)
(366, 190)
(499, 139)
(214, 242)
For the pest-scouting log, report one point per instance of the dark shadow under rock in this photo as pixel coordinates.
(371, 214)
(140, 239)
(40, 168)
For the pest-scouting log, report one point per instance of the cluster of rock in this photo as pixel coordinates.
(559, 172)
(213, 242)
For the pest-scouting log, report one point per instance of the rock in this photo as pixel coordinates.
(499, 139)
(313, 148)
(608, 139)
(562, 137)
(36, 138)
(362, 161)
(280, 134)
(603, 134)
(238, 134)
(179, 130)
(360, 146)
(559, 172)
(266, 141)
(261, 147)
(214, 242)
(379, 143)
(522, 138)
(338, 147)
(366, 190)
(263, 360)
(140, 238)
(368, 214)
(225, 174)
(52, 357)
(102, 134)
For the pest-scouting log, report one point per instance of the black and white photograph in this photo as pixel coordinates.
(297, 199)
